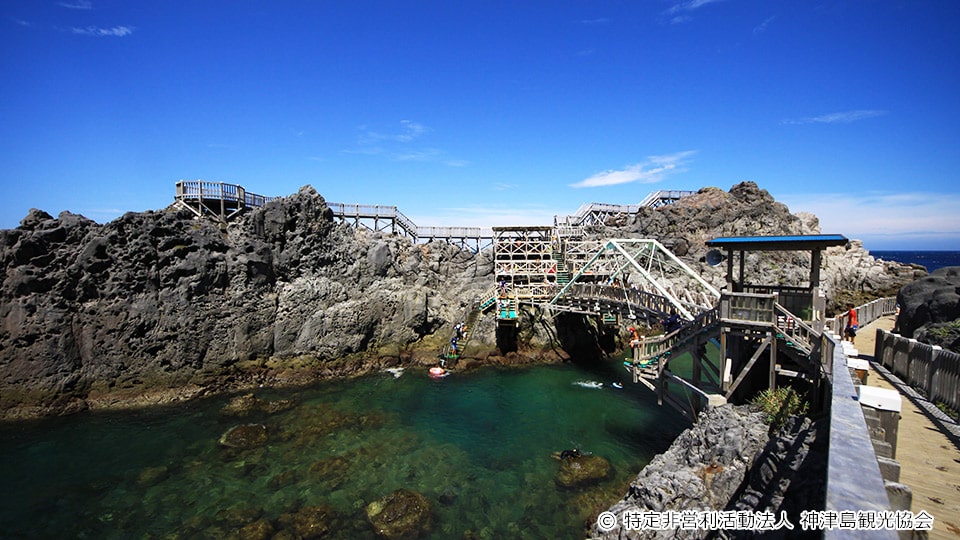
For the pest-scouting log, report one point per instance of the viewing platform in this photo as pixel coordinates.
(218, 200)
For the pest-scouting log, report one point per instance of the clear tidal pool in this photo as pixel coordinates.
(478, 445)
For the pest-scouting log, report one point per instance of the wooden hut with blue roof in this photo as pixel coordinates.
(784, 321)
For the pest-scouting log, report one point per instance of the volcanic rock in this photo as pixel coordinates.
(930, 309)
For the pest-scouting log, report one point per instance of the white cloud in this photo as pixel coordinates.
(762, 27)
(408, 132)
(680, 11)
(79, 4)
(883, 218)
(844, 117)
(116, 31)
(654, 169)
(424, 154)
(399, 145)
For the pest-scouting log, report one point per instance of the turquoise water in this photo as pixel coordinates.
(477, 445)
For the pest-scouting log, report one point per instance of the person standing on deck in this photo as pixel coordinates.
(850, 332)
(634, 337)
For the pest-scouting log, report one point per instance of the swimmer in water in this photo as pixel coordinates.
(575, 453)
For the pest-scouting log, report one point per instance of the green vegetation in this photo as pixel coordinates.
(779, 404)
(945, 330)
(949, 411)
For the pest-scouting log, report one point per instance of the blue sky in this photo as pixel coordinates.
(489, 113)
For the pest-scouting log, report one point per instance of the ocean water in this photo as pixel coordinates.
(478, 445)
(931, 259)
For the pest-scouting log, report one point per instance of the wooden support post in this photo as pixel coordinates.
(746, 369)
(724, 360)
(695, 367)
(773, 361)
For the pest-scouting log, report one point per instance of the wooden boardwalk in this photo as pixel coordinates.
(929, 460)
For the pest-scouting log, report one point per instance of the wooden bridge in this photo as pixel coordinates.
(602, 213)
(389, 218)
(223, 201)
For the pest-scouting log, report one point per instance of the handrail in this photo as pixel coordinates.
(794, 328)
(748, 307)
(376, 211)
(866, 313)
(928, 367)
(853, 481)
(193, 190)
(659, 345)
(653, 199)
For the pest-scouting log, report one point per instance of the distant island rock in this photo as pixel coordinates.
(157, 306)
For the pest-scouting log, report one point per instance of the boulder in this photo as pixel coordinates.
(245, 436)
(402, 514)
(929, 304)
(702, 469)
(309, 521)
(582, 471)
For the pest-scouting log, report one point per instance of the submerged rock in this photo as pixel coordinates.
(248, 404)
(260, 529)
(331, 472)
(309, 521)
(245, 436)
(402, 514)
(153, 475)
(244, 405)
(582, 471)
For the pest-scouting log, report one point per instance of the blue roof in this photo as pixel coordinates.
(778, 243)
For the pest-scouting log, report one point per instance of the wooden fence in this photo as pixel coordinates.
(927, 367)
(866, 314)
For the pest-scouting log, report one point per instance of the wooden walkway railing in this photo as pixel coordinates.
(929, 368)
(598, 213)
(219, 199)
(381, 218)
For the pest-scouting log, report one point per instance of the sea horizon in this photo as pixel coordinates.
(930, 259)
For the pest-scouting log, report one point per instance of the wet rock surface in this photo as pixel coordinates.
(582, 471)
(245, 436)
(702, 469)
(403, 514)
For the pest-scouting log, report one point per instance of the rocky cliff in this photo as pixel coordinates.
(160, 300)
(91, 314)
